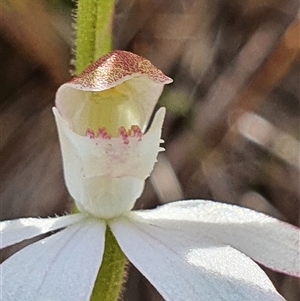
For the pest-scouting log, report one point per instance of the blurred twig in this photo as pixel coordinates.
(226, 91)
(28, 25)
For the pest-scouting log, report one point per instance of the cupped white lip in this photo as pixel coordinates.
(105, 176)
(103, 156)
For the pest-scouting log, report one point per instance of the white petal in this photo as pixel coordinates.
(108, 166)
(13, 231)
(267, 240)
(191, 268)
(62, 267)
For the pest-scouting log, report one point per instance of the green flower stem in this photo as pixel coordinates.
(93, 39)
(109, 281)
(110, 278)
(103, 39)
(93, 31)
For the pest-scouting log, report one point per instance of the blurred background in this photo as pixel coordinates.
(232, 127)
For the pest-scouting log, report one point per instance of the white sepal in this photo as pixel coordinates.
(267, 240)
(13, 231)
(62, 267)
(184, 267)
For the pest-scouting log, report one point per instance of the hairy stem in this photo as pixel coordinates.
(93, 31)
(109, 281)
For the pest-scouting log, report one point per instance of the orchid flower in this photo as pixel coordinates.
(189, 250)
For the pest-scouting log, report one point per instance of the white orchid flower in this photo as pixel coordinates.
(189, 250)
